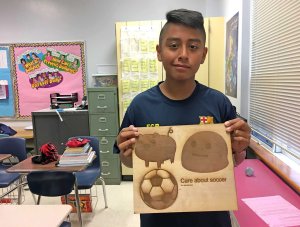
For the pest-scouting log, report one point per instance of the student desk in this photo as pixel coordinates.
(33, 215)
(27, 166)
(263, 183)
(22, 133)
(27, 135)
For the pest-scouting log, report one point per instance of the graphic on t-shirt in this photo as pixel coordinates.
(204, 152)
(206, 120)
(158, 189)
(155, 148)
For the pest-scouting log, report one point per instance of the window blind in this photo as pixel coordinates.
(275, 73)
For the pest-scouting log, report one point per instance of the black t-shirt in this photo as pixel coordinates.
(188, 219)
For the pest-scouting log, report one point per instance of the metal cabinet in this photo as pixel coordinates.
(49, 127)
(104, 123)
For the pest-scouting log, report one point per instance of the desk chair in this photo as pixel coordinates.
(51, 184)
(87, 178)
(17, 148)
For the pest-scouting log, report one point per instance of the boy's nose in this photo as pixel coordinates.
(183, 54)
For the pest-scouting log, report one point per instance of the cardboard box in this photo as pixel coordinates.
(6, 201)
(183, 169)
(85, 202)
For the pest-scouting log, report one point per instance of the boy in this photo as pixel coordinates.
(180, 100)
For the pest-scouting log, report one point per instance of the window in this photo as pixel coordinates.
(275, 75)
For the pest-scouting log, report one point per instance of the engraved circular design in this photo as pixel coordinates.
(205, 152)
(158, 189)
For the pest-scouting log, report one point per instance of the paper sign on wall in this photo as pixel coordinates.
(3, 59)
(3, 89)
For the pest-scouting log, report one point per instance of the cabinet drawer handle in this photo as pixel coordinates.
(102, 119)
(104, 152)
(101, 96)
(105, 174)
(104, 163)
(103, 141)
(102, 130)
(101, 107)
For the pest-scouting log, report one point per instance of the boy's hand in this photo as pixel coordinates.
(125, 141)
(240, 137)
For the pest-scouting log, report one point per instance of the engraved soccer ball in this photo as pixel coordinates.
(158, 189)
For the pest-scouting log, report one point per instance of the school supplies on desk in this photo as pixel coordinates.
(84, 159)
(74, 151)
(77, 152)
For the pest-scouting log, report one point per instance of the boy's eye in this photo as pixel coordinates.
(173, 45)
(194, 47)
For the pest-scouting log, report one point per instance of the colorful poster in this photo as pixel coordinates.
(40, 69)
(231, 56)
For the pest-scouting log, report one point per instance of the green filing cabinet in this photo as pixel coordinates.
(104, 123)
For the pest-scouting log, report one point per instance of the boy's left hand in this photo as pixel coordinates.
(240, 134)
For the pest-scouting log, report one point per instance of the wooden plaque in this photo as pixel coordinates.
(183, 168)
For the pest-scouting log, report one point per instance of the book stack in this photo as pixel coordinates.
(77, 156)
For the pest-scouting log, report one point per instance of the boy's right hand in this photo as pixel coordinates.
(125, 141)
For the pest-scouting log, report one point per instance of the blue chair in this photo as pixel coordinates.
(17, 148)
(51, 184)
(87, 178)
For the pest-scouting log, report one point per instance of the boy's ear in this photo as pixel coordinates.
(158, 52)
(204, 55)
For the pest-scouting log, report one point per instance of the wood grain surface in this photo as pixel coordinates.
(204, 183)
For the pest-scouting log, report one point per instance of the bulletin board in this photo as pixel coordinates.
(7, 108)
(40, 69)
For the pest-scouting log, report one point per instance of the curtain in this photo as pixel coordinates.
(275, 73)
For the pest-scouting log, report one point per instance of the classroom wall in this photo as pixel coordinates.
(94, 22)
(231, 7)
(89, 20)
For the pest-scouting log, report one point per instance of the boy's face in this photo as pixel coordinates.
(181, 51)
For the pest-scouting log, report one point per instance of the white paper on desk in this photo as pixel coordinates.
(274, 210)
(29, 127)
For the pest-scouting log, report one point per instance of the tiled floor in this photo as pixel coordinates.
(118, 214)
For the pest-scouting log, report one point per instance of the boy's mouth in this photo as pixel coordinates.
(181, 66)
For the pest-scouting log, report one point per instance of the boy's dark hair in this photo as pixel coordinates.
(189, 18)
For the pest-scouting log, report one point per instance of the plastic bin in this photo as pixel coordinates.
(100, 80)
